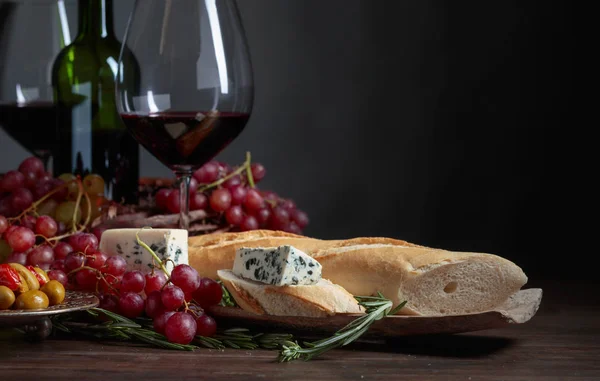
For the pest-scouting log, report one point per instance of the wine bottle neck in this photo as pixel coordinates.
(96, 19)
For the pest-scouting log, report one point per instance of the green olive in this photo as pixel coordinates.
(55, 292)
(7, 298)
(31, 300)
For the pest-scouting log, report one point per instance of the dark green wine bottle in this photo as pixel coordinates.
(93, 138)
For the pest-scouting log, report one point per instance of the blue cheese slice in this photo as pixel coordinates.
(278, 266)
(166, 243)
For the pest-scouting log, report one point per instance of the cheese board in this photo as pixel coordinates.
(518, 309)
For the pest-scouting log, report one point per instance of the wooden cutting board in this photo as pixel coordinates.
(518, 309)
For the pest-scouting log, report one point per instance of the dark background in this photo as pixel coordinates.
(441, 123)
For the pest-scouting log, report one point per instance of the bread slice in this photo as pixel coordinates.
(320, 300)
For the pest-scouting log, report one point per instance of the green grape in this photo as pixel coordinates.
(96, 206)
(93, 184)
(64, 212)
(73, 188)
(47, 208)
(5, 250)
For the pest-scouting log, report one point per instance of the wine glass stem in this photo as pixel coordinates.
(184, 199)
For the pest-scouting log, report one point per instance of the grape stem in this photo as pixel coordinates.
(249, 170)
(168, 275)
(74, 228)
(99, 276)
(187, 308)
(44, 239)
(102, 276)
(156, 258)
(246, 166)
(89, 209)
(82, 267)
(80, 193)
(59, 237)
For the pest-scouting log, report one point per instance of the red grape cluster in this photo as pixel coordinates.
(177, 309)
(231, 195)
(20, 188)
(37, 211)
(175, 304)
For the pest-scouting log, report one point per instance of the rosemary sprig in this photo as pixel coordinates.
(241, 338)
(116, 327)
(121, 328)
(226, 300)
(377, 307)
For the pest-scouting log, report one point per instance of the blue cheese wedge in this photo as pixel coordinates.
(278, 266)
(166, 243)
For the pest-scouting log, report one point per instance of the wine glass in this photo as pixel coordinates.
(195, 89)
(32, 34)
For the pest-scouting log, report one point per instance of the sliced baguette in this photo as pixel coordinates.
(434, 282)
(320, 300)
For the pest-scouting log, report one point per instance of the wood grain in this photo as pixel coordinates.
(561, 342)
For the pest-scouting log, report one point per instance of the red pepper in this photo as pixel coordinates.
(9, 277)
(39, 277)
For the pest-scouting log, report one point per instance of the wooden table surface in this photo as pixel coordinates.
(562, 342)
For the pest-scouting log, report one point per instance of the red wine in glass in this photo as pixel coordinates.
(31, 124)
(180, 139)
(31, 34)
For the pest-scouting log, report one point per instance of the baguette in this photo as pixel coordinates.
(319, 300)
(434, 282)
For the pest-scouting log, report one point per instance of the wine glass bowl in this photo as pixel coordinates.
(194, 93)
(28, 112)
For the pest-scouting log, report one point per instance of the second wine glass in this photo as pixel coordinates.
(28, 110)
(195, 89)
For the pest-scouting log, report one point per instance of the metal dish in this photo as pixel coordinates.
(37, 324)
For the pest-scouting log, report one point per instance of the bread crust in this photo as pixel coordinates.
(320, 300)
(242, 297)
